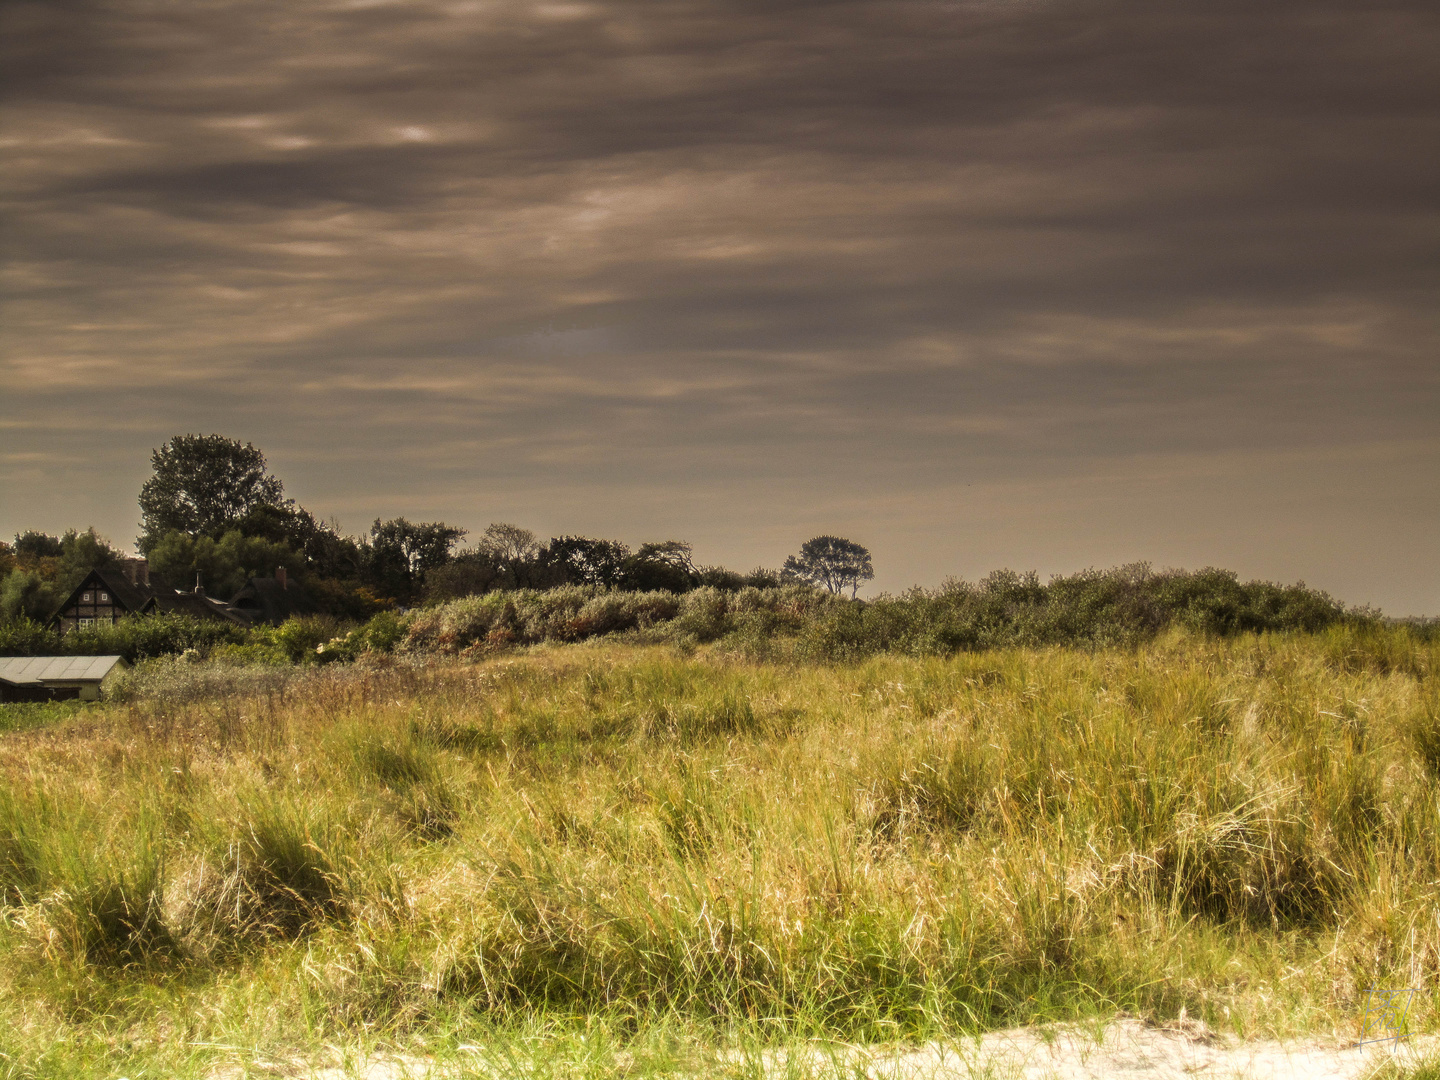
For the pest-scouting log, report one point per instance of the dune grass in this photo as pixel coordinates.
(586, 857)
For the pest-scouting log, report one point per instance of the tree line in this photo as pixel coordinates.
(213, 514)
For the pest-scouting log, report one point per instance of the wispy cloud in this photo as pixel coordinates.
(562, 257)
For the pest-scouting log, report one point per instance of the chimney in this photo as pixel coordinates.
(137, 572)
(280, 577)
(199, 589)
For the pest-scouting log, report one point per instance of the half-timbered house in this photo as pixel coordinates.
(103, 597)
(106, 596)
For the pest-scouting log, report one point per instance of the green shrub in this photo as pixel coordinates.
(254, 653)
(25, 594)
(381, 634)
(298, 637)
(705, 614)
(137, 637)
(25, 637)
(1122, 606)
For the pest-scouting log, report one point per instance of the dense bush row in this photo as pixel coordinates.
(1121, 606)
(134, 638)
(1112, 607)
(576, 612)
(1095, 608)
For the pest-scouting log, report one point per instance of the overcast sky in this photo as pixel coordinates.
(997, 283)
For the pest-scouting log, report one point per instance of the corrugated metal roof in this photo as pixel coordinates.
(44, 669)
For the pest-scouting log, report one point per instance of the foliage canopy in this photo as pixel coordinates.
(833, 563)
(204, 485)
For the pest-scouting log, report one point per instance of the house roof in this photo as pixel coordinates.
(131, 597)
(197, 605)
(272, 600)
(158, 596)
(39, 670)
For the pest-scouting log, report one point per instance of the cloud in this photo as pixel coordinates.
(610, 248)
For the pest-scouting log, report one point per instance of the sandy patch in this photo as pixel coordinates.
(387, 1067)
(1125, 1049)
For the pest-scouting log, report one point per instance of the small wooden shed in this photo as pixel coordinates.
(50, 678)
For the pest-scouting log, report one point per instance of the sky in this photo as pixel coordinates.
(1034, 284)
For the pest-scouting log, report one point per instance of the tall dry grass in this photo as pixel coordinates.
(1246, 829)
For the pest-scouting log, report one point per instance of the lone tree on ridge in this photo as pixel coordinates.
(831, 562)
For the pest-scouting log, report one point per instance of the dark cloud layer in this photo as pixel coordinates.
(1006, 281)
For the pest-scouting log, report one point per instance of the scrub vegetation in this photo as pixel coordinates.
(619, 857)
(1123, 606)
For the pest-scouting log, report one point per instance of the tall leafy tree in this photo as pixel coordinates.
(204, 485)
(665, 565)
(221, 566)
(38, 545)
(422, 545)
(831, 562)
(58, 563)
(509, 544)
(403, 552)
(322, 546)
(24, 594)
(81, 552)
(584, 560)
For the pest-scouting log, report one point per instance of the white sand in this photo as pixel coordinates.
(1130, 1048)
(1126, 1049)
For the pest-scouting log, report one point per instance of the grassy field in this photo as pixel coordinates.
(596, 859)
